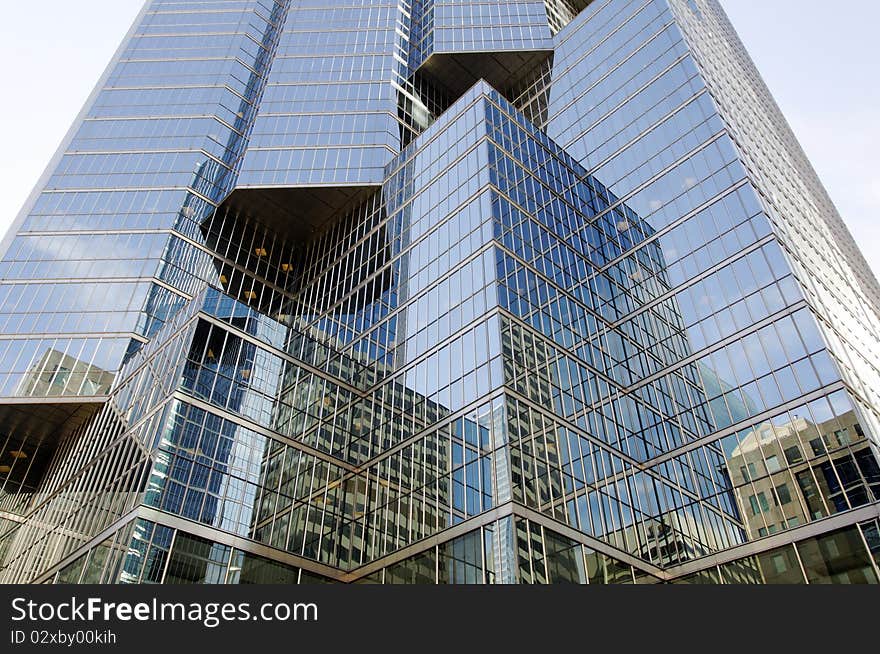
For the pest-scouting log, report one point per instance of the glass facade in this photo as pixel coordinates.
(439, 291)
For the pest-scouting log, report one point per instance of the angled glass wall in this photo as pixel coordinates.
(465, 293)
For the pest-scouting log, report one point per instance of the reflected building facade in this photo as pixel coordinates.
(436, 291)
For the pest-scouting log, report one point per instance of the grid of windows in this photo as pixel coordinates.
(169, 122)
(592, 301)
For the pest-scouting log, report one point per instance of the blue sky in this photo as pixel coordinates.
(820, 64)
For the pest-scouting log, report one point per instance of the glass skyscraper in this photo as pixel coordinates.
(436, 291)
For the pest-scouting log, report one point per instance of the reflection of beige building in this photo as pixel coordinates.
(57, 373)
(787, 475)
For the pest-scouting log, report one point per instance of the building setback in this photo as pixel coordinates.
(436, 291)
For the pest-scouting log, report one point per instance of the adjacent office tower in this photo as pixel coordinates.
(436, 291)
